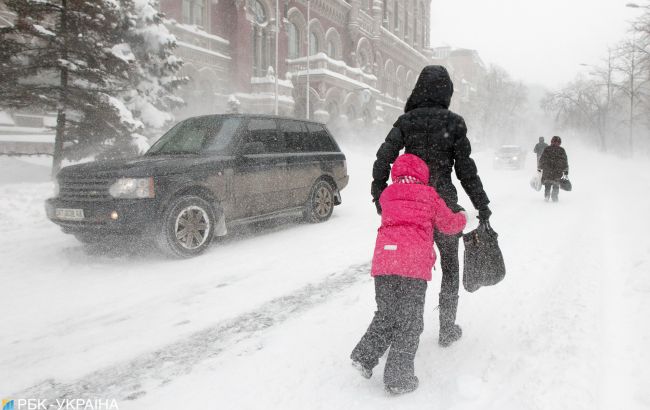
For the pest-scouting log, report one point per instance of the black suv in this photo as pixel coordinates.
(204, 175)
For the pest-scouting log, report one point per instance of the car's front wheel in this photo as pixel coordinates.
(187, 227)
(321, 202)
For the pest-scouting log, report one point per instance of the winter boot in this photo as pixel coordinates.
(449, 330)
(405, 387)
(365, 372)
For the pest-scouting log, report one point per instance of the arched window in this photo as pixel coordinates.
(258, 12)
(313, 44)
(294, 40)
(332, 51)
(261, 41)
(333, 41)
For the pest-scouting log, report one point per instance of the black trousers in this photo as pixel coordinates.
(551, 189)
(397, 324)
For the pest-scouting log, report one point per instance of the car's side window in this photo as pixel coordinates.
(294, 136)
(264, 131)
(224, 134)
(320, 139)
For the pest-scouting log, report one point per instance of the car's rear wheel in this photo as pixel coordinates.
(187, 227)
(321, 202)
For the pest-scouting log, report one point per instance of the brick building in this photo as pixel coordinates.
(364, 59)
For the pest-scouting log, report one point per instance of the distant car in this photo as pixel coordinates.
(509, 156)
(204, 175)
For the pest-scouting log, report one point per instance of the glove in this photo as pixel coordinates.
(484, 214)
(378, 206)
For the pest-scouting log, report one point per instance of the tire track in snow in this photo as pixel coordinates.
(130, 380)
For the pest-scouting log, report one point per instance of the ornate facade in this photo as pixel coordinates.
(364, 55)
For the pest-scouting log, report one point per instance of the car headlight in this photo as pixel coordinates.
(132, 188)
(514, 158)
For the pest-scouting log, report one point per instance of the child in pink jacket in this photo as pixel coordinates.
(401, 266)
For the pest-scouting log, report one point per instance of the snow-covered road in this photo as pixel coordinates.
(268, 320)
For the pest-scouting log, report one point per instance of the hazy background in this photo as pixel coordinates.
(540, 42)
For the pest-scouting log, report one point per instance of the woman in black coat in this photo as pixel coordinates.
(554, 165)
(429, 130)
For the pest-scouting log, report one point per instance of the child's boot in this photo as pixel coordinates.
(404, 386)
(364, 371)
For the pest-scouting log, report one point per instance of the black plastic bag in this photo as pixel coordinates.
(484, 265)
(565, 184)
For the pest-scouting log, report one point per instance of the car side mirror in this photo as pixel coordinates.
(253, 148)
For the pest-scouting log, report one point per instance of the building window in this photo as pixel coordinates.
(262, 39)
(331, 49)
(396, 14)
(294, 40)
(406, 18)
(258, 12)
(384, 13)
(415, 30)
(194, 12)
(313, 44)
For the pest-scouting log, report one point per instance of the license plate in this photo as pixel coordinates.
(69, 214)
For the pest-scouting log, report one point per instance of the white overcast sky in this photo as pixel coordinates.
(541, 41)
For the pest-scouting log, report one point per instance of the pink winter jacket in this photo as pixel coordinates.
(410, 211)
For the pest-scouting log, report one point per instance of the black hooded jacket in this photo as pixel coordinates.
(429, 130)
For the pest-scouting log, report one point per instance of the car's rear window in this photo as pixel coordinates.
(320, 139)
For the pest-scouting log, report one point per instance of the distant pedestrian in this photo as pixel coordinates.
(554, 165)
(539, 149)
(401, 265)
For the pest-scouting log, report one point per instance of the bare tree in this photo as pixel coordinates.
(579, 105)
(629, 64)
(497, 106)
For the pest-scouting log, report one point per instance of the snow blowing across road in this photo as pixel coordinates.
(267, 319)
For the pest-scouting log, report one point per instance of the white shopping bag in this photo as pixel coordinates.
(536, 181)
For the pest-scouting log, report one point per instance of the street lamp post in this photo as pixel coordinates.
(277, 35)
(308, 53)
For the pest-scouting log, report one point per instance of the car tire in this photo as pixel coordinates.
(187, 227)
(320, 204)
